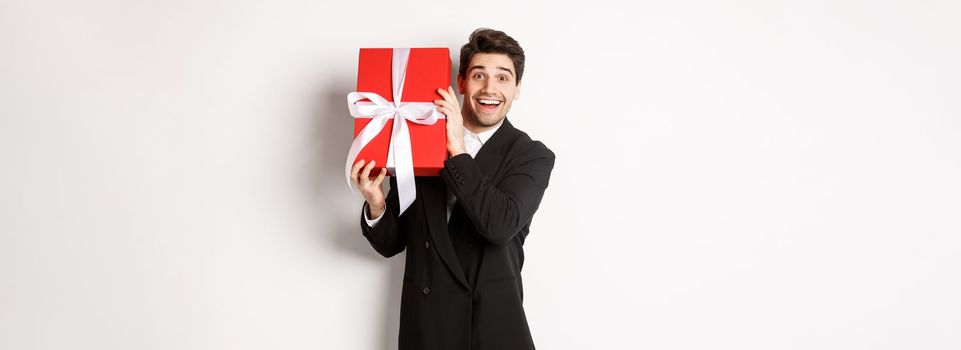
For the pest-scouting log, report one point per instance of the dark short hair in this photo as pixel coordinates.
(485, 40)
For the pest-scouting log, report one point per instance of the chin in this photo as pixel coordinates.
(487, 121)
(477, 119)
(493, 121)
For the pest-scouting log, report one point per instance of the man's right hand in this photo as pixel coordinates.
(370, 188)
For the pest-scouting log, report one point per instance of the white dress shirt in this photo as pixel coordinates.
(472, 144)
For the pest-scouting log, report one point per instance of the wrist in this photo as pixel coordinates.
(375, 211)
(456, 151)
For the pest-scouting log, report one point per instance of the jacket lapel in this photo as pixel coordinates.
(435, 207)
(435, 197)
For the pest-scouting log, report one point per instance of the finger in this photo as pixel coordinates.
(444, 103)
(356, 170)
(451, 98)
(448, 96)
(445, 110)
(380, 178)
(450, 89)
(365, 176)
(452, 103)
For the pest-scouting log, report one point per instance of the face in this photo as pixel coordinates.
(489, 86)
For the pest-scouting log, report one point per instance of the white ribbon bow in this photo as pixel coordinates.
(400, 160)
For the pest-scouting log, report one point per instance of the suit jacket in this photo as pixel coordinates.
(499, 191)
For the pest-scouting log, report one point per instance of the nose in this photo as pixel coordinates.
(487, 87)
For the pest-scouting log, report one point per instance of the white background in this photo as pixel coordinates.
(746, 175)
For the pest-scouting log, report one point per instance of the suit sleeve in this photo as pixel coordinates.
(386, 236)
(500, 212)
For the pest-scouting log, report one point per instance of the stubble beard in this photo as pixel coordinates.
(474, 119)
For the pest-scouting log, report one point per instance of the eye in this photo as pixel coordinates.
(478, 76)
(504, 78)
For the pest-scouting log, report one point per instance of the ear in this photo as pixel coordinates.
(517, 91)
(460, 84)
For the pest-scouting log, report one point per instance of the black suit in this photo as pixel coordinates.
(445, 306)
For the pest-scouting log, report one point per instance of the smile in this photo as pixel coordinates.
(488, 104)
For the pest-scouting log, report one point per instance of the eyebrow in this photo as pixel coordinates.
(498, 67)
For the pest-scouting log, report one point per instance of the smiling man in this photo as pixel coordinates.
(464, 234)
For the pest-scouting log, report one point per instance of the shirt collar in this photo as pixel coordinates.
(486, 135)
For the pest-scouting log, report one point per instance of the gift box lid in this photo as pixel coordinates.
(428, 69)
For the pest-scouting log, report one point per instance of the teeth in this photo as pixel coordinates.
(489, 102)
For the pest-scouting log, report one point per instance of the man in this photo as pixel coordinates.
(465, 232)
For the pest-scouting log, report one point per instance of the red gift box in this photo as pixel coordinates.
(428, 69)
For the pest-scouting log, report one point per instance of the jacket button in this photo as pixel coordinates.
(426, 290)
(427, 244)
